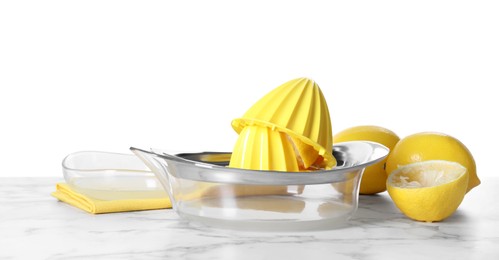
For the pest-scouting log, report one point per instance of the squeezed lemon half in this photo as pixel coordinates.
(428, 191)
(427, 146)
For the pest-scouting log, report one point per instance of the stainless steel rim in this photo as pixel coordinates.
(354, 156)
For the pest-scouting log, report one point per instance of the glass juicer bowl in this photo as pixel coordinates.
(203, 190)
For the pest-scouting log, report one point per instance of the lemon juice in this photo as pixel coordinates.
(127, 187)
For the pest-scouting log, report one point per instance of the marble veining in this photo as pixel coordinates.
(34, 225)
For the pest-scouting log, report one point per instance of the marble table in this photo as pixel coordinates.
(34, 225)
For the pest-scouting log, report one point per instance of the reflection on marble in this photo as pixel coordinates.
(34, 225)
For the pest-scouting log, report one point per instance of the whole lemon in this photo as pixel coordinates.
(374, 177)
(427, 146)
(428, 191)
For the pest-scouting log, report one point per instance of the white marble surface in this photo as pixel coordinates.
(34, 225)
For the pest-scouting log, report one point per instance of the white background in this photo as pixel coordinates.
(107, 75)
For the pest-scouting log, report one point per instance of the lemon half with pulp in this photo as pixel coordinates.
(428, 191)
(427, 146)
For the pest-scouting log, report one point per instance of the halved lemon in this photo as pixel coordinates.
(427, 146)
(428, 191)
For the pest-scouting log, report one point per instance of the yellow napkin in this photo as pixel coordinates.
(66, 194)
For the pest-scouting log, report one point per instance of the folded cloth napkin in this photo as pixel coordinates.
(65, 194)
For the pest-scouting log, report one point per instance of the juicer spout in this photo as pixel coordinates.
(157, 165)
